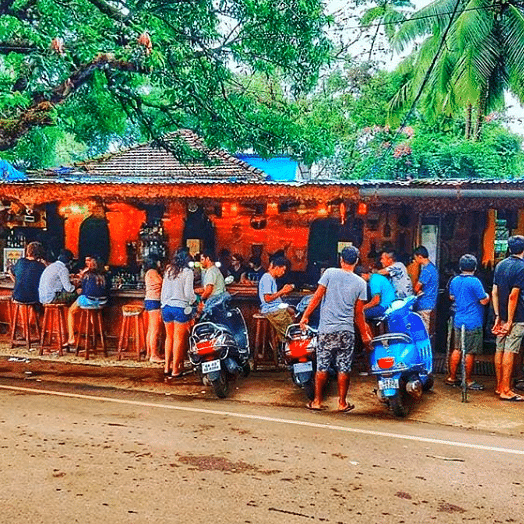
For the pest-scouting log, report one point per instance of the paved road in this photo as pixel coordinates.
(79, 454)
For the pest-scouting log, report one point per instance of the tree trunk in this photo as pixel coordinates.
(481, 110)
(468, 122)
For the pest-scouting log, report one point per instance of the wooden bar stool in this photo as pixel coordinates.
(6, 304)
(91, 329)
(28, 319)
(54, 323)
(133, 327)
(265, 349)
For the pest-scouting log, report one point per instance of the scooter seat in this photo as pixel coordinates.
(391, 338)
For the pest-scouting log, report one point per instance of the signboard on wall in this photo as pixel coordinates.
(429, 239)
(342, 245)
(11, 256)
(195, 245)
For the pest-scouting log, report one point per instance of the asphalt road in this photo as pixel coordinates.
(80, 454)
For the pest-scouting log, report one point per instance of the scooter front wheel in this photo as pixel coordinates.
(221, 385)
(397, 405)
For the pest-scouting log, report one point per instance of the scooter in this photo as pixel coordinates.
(300, 351)
(402, 359)
(219, 346)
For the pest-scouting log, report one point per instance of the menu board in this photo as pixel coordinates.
(11, 257)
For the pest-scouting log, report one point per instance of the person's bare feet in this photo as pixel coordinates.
(344, 408)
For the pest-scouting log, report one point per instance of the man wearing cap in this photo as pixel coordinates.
(508, 305)
(342, 294)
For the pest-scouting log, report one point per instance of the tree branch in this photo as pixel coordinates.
(39, 113)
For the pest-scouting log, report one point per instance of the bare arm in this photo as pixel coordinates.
(360, 322)
(375, 301)
(495, 298)
(315, 301)
(512, 305)
(286, 289)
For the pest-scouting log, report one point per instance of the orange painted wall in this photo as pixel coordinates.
(124, 223)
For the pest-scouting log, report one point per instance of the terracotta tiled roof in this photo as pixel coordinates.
(148, 161)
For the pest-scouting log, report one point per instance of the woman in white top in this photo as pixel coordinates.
(176, 299)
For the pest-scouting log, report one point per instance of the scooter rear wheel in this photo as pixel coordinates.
(397, 406)
(429, 383)
(221, 385)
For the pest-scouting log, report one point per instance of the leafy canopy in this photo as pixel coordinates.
(94, 71)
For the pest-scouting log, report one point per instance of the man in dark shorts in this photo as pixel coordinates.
(343, 295)
(508, 305)
(469, 296)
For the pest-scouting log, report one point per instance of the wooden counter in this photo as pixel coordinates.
(244, 297)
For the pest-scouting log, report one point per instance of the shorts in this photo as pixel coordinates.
(91, 303)
(510, 343)
(473, 340)
(425, 315)
(280, 320)
(175, 314)
(151, 305)
(335, 348)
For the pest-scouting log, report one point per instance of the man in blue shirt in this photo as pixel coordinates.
(469, 296)
(427, 283)
(381, 290)
(272, 305)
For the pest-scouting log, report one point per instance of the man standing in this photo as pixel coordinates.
(427, 283)
(55, 284)
(343, 295)
(270, 297)
(381, 289)
(398, 274)
(212, 281)
(469, 296)
(508, 304)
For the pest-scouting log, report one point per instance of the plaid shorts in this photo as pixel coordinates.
(335, 348)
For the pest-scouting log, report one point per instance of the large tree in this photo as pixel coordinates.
(97, 69)
(468, 52)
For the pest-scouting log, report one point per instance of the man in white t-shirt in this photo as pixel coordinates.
(212, 280)
(272, 305)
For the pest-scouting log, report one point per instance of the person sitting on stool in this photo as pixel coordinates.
(270, 298)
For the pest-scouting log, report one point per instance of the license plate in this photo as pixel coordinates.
(303, 367)
(388, 383)
(212, 365)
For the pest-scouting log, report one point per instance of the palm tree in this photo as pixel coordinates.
(476, 51)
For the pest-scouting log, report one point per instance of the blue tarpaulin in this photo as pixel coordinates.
(9, 173)
(281, 169)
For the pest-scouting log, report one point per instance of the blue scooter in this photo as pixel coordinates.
(402, 359)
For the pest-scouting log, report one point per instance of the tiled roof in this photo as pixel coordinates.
(146, 161)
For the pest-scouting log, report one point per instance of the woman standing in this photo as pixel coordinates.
(153, 284)
(176, 299)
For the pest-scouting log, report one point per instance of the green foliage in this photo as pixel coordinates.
(104, 78)
(432, 153)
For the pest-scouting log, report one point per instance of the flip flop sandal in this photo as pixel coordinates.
(452, 383)
(475, 386)
(348, 408)
(310, 406)
(516, 398)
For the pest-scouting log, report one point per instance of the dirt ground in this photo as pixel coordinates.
(483, 411)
